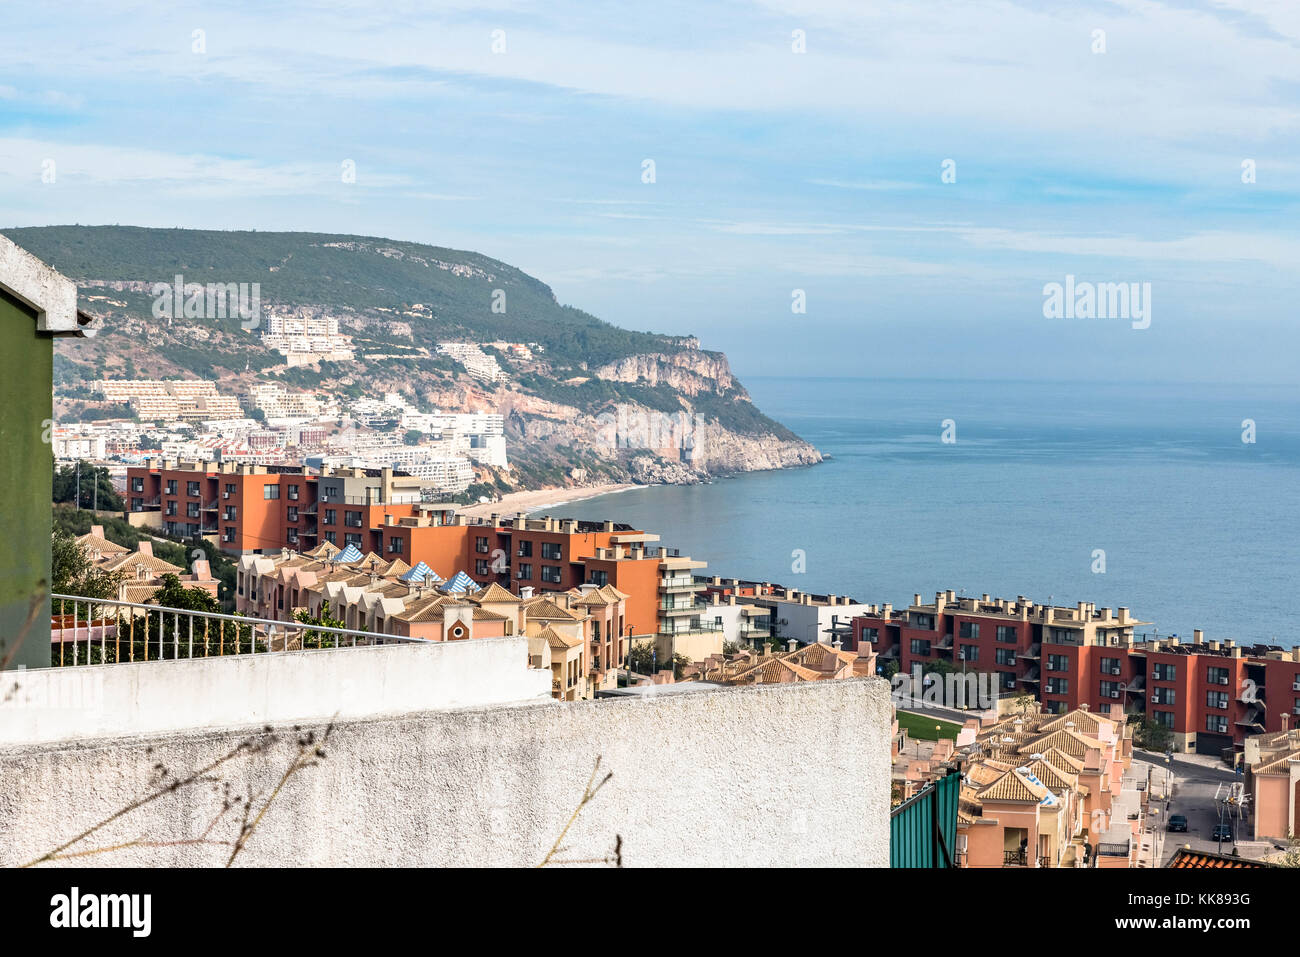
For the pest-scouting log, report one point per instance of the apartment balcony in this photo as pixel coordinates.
(678, 584)
(210, 506)
(670, 610)
(1033, 653)
(751, 633)
(308, 509)
(689, 631)
(1015, 859)
(1257, 697)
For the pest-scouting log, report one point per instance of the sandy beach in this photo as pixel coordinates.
(514, 502)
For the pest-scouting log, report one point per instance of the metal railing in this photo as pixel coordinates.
(101, 631)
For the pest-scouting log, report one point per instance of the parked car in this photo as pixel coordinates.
(1221, 832)
(1177, 822)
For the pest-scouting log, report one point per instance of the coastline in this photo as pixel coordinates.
(531, 500)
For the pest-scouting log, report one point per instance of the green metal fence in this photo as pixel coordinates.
(923, 829)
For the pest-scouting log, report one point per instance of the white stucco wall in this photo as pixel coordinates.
(156, 697)
(768, 775)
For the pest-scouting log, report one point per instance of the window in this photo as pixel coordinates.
(481, 545)
(1164, 695)
(1064, 636)
(352, 538)
(192, 489)
(1008, 680)
(137, 485)
(170, 509)
(192, 509)
(970, 629)
(1110, 666)
(1216, 699)
(1058, 685)
(1217, 676)
(1006, 633)
(329, 493)
(481, 566)
(331, 517)
(598, 578)
(551, 573)
(920, 646)
(923, 621)
(968, 652)
(1164, 672)
(1296, 708)
(525, 549)
(1217, 723)
(171, 486)
(292, 513)
(394, 544)
(1058, 663)
(1111, 689)
(552, 551)
(231, 513)
(352, 519)
(525, 570)
(228, 535)
(1005, 656)
(270, 491)
(332, 537)
(292, 536)
(230, 489)
(137, 505)
(871, 635)
(293, 493)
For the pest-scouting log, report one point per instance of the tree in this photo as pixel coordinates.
(73, 573)
(317, 639)
(412, 437)
(1152, 736)
(1024, 702)
(173, 594)
(65, 487)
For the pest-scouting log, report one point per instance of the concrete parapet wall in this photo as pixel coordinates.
(791, 774)
(48, 705)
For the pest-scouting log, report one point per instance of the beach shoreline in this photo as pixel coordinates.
(529, 501)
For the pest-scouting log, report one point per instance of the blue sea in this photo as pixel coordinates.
(1198, 528)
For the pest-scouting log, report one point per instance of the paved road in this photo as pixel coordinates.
(1194, 785)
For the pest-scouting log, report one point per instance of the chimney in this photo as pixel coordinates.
(886, 610)
(526, 592)
(1197, 635)
(792, 645)
(97, 531)
(201, 569)
(144, 548)
(916, 598)
(1123, 615)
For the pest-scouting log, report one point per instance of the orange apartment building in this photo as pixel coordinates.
(1210, 694)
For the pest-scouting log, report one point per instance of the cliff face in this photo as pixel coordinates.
(689, 372)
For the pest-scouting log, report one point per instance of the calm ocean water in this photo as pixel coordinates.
(1199, 529)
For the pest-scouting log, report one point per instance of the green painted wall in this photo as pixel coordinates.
(26, 371)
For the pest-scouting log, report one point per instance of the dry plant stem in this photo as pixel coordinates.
(308, 752)
(588, 793)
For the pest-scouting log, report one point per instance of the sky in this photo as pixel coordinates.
(915, 173)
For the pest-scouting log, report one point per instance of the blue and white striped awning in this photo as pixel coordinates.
(420, 572)
(460, 583)
(349, 556)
